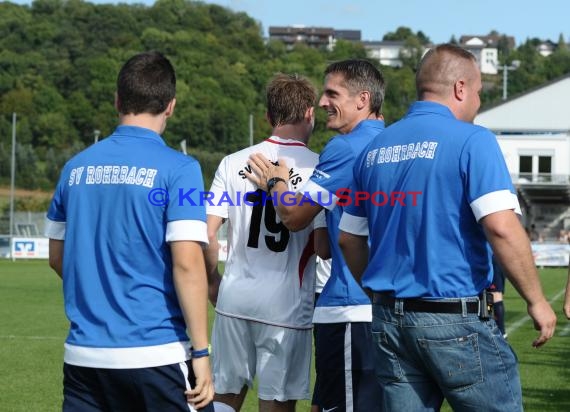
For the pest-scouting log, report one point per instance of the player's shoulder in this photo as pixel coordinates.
(473, 134)
(337, 144)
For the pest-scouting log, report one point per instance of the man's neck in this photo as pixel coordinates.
(292, 132)
(146, 120)
(370, 116)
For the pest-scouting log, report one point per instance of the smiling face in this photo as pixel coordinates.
(341, 105)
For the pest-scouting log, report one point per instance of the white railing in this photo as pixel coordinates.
(542, 178)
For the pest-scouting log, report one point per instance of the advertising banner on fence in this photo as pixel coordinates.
(30, 248)
(545, 254)
(551, 254)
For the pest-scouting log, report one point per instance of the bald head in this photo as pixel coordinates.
(449, 75)
(441, 68)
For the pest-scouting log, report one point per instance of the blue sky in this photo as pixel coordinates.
(438, 19)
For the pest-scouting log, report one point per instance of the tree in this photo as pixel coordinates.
(401, 33)
(503, 48)
(59, 60)
(562, 43)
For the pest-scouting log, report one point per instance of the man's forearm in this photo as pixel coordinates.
(512, 250)
(191, 286)
(212, 255)
(56, 256)
(296, 214)
(355, 252)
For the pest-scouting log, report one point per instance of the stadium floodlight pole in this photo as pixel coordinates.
(12, 185)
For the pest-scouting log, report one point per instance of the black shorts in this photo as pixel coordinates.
(159, 388)
(344, 363)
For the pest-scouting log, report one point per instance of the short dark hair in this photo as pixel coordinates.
(146, 84)
(288, 98)
(361, 75)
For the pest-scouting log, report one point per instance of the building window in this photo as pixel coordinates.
(525, 167)
(544, 168)
(535, 168)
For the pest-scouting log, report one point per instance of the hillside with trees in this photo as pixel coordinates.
(59, 60)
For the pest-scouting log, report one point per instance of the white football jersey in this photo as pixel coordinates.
(270, 272)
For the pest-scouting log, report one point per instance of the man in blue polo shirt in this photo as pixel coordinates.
(429, 193)
(126, 237)
(352, 97)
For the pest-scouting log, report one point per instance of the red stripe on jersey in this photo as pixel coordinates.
(285, 144)
(306, 255)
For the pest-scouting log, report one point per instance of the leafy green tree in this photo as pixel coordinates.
(562, 43)
(59, 60)
(345, 49)
(400, 92)
(401, 33)
(28, 174)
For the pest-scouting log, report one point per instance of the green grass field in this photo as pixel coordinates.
(33, 329)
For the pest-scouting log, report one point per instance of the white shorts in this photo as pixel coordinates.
(279, 357)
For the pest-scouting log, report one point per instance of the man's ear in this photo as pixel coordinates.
(116, 103)
(310, 114)
(170, 108)
(363, 100)
(459, 90)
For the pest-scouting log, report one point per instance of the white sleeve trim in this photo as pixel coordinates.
(495, 202)
(355, 225)
(194, 230)
(320, 195)
(54, 230)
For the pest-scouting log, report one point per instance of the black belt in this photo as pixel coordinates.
(422, 305)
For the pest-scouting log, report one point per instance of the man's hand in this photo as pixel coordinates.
(203, 393)
(263, 170)
(544, 320)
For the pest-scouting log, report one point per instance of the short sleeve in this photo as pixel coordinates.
(56, 216)
(186, 213)
(487, 181)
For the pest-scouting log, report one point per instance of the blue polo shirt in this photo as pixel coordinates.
(116, 206)
(430, 178)
(342, 299)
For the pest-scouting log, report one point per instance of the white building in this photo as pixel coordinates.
(487, 56)
(533, 131)
(386, 52)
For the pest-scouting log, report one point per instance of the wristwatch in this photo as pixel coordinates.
(273, 181)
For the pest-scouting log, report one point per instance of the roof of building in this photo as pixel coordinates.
(491, 40)
(300, 29)
(543, 109)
